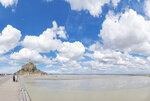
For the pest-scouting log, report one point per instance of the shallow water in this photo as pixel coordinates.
(88, 88)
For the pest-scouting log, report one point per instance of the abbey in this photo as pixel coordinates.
(30, 69)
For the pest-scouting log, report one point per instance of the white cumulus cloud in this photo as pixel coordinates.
(109, 60)
(68, 58)
(115, 2)
(70, 51)
(26, 55)
(7, 3)
(147, 7)
(9, 38)
(93, 6)
(47, 41)
(128, 32)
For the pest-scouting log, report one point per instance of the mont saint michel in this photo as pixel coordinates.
(30, 69)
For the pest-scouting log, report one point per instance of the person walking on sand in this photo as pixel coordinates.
(16, 78)
(13, 78)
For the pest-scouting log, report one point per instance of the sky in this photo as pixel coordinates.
(76, 36)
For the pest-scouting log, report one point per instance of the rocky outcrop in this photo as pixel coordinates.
(30, 69)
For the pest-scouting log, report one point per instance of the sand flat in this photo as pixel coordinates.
(88, 88)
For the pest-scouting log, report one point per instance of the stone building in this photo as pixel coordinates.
(30, 69)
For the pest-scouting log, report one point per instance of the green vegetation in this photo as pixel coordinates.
(27, 69)
(34, 68)
(23, 69)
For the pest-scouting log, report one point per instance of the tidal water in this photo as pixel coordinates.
(88, 88)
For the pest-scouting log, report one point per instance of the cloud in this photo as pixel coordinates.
(13, 63)
(69, 67)
(47, 41)
(109, 60)
(9, 39)
(68, 58)
(48, 0)
(128, 32)
(93, 6)
(2, 58)
(13, 10)
(147, 7)
(7, 3)
(10, 69)
(26, 55)
(115, 2)
(70, 51)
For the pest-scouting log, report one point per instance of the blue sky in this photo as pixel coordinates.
(74, 36)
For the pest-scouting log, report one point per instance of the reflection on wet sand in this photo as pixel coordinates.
(88, 88)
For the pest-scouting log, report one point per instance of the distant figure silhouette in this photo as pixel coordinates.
(13, 78)
(16, 78)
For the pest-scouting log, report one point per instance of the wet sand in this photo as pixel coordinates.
(88, 88)
(118, 95)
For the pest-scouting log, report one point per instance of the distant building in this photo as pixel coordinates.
(30, 69)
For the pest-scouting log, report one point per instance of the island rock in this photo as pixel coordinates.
(30, 69)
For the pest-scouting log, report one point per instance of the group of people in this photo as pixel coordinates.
(15, 78)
